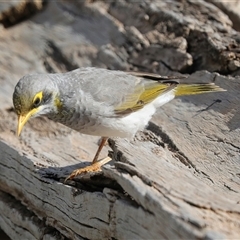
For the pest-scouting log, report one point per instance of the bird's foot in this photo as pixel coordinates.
(94, 167)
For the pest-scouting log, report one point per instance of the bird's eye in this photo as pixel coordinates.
(36, 102)
(37, 99)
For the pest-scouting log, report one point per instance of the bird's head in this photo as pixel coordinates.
(35, 95)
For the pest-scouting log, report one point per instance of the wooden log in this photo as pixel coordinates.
(11, 12)
(231, 8)
(179, 178)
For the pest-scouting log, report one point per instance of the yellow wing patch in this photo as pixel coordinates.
(192, 89)
(140, 97)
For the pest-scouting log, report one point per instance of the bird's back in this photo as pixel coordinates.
(91, 96)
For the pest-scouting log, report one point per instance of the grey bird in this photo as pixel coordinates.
(99, 102)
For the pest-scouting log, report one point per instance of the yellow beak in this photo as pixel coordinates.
(22, 119)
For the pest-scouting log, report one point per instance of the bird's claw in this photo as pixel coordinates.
(94, 167)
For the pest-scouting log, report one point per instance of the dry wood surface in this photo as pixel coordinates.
(179, 178)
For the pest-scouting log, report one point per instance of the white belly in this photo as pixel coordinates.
(126, 127)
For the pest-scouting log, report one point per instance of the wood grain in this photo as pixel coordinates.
(177, 179)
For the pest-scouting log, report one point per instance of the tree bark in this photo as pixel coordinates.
(179, 178)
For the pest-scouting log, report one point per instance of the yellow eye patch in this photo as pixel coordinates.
(37, 98)
(38, 95)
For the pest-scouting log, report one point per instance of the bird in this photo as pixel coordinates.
(99, 102)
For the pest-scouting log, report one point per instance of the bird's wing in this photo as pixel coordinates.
(118, 93)
(150, 90)
(154, 76)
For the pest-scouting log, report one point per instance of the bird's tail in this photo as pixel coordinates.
(198, 88)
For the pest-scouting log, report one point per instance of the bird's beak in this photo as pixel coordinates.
(22, 119)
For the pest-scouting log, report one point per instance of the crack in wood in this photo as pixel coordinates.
(15, 192)
(131, 170)
(173, 148)
(171, 145)
(208, 107)
(229, 188)
(125, 168)
(233, 145)
(22, 216)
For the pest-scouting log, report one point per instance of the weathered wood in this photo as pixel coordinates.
(11, 12)
(23, 223)
(231, 8)
(202, 24)
(179, 178)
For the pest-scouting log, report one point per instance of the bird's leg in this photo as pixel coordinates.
(101, 145)
(95, 165)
